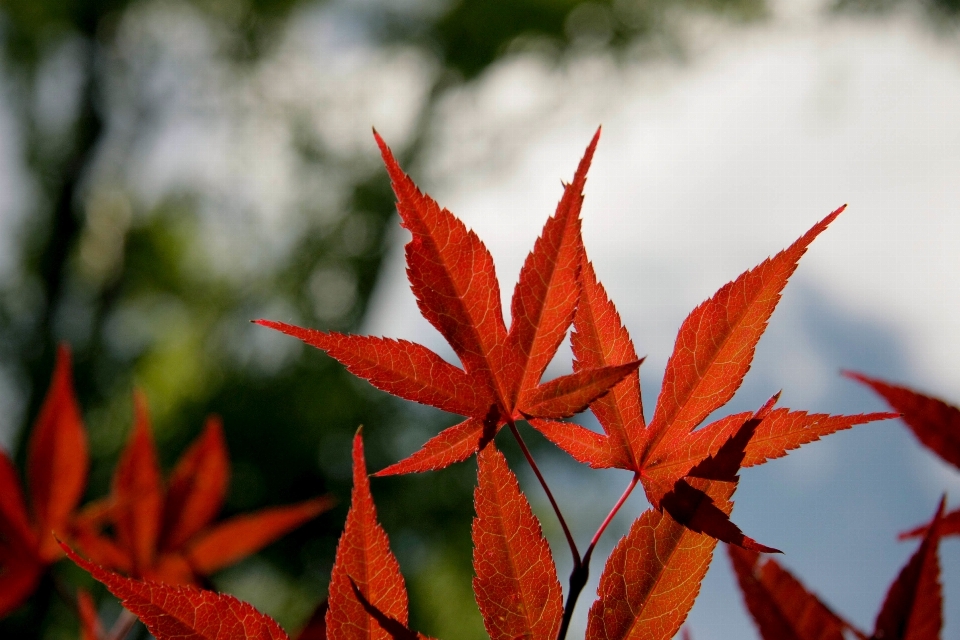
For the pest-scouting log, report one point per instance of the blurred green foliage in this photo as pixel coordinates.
(133, 292)
(937, 10)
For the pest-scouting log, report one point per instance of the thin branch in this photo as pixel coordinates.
(581, 572)
(543, 483)
(610, 516)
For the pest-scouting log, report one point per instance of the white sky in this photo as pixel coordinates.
(704, 169)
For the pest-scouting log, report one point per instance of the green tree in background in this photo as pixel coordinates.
(137, 285)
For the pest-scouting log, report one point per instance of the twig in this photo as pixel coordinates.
(543, 483)
(581, 571)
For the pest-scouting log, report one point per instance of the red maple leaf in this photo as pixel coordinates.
(935, 423)
(779, 603)
(363, 559)
(184, 612)
(57, 465)
(367, 597)
(453, 278)
(648, 595)
(652, 578)
(713, 352)
(516, 582)
(784, 609)
(167, 533)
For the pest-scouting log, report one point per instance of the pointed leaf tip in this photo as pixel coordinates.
(453, 444)
(779, 603)
(571, 394)
(57, 460)
(913, 607)
(385, 152)
(717, 341)
(545, 297)
(232, 540)
(363, 557)
(935, 423)
(197, 487)
(184, 613)
(137, 490)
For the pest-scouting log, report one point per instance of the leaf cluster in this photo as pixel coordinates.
(145, 527)
(162, 539)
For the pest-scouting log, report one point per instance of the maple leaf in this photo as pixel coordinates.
(363, 559)
(516, 582)
(653, 575)
(949, 526)
(452, 276)
(168, 534)
(367, 597)
(713, 352)
(184, 612)
(57, 466)
(648, 595)
(784, 609)
(913, 607)
(935, 423)
(779, 603)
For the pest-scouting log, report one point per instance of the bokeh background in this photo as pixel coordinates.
(171, 169)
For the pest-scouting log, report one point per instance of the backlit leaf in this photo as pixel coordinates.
(781, 606)
(714, 349)
(516, 583)
(243, 535)
(453, 444)
(599, 340)
(363, 559)
(716, 343)
(582, 444)
(57, 462)
(197, 487)
(696, 510)
(185, 613)
(453, 279)
(653, 575)
(935, 423)
(778, 434)
(913, 607)
(404, 369)
(546, 294)
(138, 492)
(571, 394)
